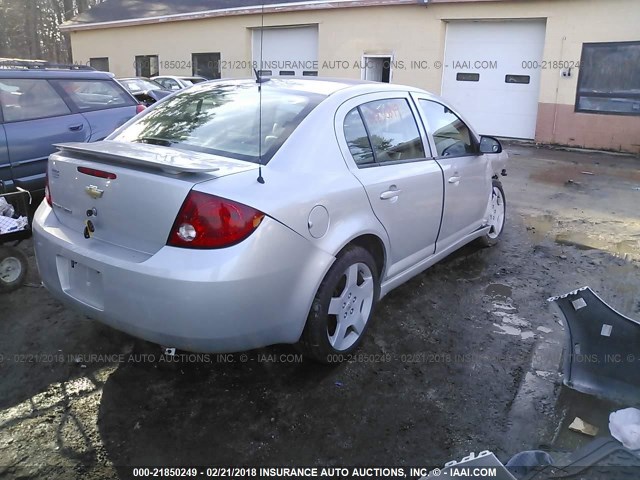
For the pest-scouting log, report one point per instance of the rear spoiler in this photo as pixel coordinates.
(169, 160)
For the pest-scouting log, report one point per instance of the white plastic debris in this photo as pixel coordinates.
(10, 225)
(6, 209)
(624, 426)
(579, 425)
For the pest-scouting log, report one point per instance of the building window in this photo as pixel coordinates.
(526, 79)
(147, 66)
(100, 63)
(206, 65)
(468, 77)
(609, 80)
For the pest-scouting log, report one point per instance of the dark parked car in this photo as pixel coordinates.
(146, 91)
(44, 104)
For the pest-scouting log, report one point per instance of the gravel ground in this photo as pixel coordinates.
(445, 370)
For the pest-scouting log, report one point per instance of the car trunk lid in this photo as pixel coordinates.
(129, 194)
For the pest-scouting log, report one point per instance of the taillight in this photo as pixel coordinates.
(207, 221)
(140, 108)
(47, 191)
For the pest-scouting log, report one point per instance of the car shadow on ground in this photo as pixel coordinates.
(269, 407)
(446, 389)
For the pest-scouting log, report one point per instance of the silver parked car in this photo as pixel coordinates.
(239, 214)
(171, 82)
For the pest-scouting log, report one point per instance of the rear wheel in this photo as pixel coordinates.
(496, 214)
(342, 308)
(13, 268)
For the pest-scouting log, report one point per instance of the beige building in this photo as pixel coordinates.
(557, 71)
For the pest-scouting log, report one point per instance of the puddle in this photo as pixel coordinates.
(505, 311)
(582, 241)
(499, 292)
(542, 227)
(507, 330)
(539, 226)
(504, 306)
(515, 331)
(572, 404)
(579, 241)
(511, 319)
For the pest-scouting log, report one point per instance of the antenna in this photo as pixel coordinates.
(259, 82)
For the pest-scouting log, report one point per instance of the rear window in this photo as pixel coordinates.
(94, 94)
(224, 119)
(136, 85)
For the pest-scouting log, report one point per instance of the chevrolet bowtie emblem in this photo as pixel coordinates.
(94, 192)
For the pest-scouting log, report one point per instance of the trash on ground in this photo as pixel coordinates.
(587, 173)
(624, 426)
(524, 463)
(474, 463)
(6, 209)
(9, 225)
(579, 425)
(601, 348)
(596, 460)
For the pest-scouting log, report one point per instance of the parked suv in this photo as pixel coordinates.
(43, 104)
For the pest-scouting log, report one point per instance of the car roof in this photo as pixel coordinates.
(177, 76)
(54, 73)
(323, 85)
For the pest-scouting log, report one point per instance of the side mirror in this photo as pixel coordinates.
(490, 145)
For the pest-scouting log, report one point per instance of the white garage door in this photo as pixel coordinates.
(490, 74)
(287, 51)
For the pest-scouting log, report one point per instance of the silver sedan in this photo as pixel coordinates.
(239, 214)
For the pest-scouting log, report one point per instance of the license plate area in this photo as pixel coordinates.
(81, 282)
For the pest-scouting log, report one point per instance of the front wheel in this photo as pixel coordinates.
(342, 308)
(13, 269)
(496, 215)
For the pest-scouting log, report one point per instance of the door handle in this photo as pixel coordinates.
(454, 179)
(76, 128)
(389, 194)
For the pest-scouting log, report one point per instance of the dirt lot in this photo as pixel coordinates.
(448, 366)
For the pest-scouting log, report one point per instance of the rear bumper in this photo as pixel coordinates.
(253, 294)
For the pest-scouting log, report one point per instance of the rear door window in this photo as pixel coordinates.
(393, 130)
(28, 99)
(94, 94)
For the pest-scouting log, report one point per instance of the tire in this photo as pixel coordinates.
(342, 309)
(13, 269)
(497, 211)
